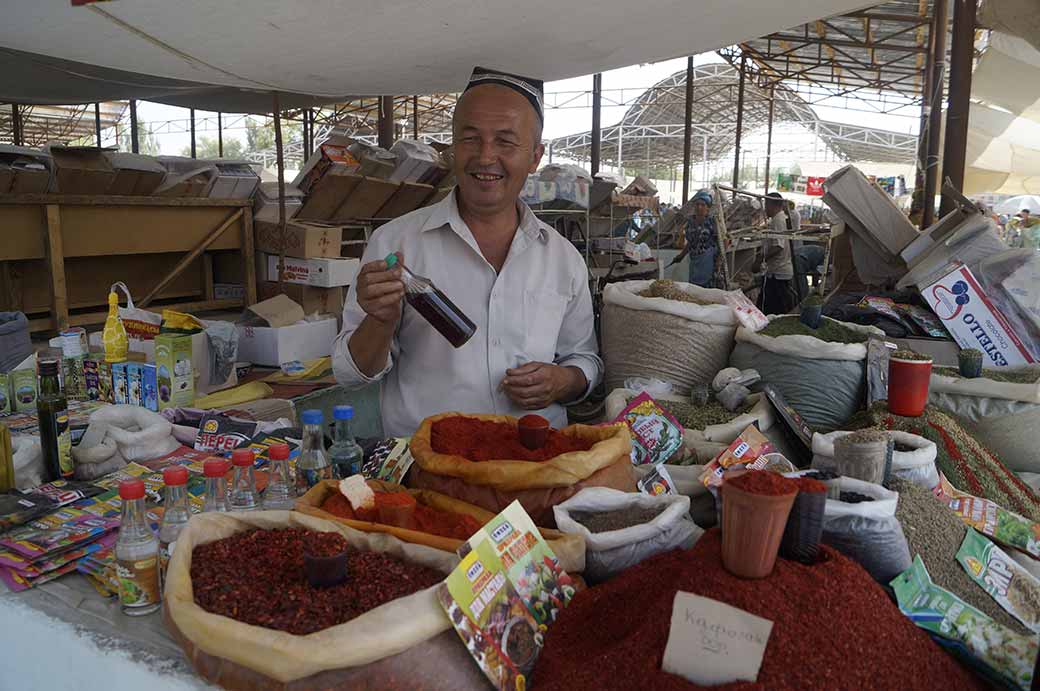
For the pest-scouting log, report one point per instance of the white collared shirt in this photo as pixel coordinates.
(537, 309)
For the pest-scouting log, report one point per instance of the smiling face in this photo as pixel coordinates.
(497, 145)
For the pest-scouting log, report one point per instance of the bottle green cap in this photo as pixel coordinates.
(391, 260)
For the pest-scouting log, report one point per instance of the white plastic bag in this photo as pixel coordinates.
(609, 553)
(916, 465)
(140, 324)
(29, 470)
(121, 434)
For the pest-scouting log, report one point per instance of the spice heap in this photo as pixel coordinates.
(666, 289)
(830, 331)
(911, 355)
(425, 519)
(810, 485)
(854, 497)
(763, 482)
(485, 440)
(693, 416)
(604, 639)
(619, 519)
(257, 577)
(935, 532)
(1023, 376)
(966, 463)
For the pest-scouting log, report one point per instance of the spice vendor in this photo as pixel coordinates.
(523, 285)
(775, 255)
(702, 242)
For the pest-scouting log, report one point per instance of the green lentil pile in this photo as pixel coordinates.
(830, 331)
(1022, 376)
(693, 416)
(935, 532)
(663, 288)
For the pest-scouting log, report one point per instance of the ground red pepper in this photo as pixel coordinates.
(257, 577)
(393, 499)
(426, 519)
(810, 486)
(764, 482)
(337, 505)
(485, 440)
(833, 628)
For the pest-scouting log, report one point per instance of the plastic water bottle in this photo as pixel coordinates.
(175, 515)
(214, 469)
(345, 454)
(313, 465)
(244, 496)
(280, 494)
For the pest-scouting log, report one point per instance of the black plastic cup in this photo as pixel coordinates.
(811, 315)
(801, 540)
(325, 572)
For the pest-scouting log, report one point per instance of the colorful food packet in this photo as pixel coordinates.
(747, 451)
(21, 506)
(1014, 588)
(749, 316)
(656, 435)
(996, 648)
(992, 520)
(221, 433)
(657, 482)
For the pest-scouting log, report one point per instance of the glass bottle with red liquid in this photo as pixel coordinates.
(434, 305)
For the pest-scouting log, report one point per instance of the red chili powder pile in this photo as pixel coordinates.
(764, 482)
(810, 486)
(484, 440)
(425, 519)
(833, 628)
(394, 499)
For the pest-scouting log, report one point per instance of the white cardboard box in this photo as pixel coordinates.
(973, 321)
(270, 347)
(320, 272)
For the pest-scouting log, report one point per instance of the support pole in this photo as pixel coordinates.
(704, 161)
(597, 134)
(192, 132)
(386, 121)
(135, 144)
(962, 53)
(926, 103)
(97, 123)
(740, 121)
(16, 125)
(280, 160)
(621, 148)
(415, 118)
(931, 174)
(769, 136)
(687, 132)
(220, 135)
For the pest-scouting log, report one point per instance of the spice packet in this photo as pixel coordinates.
(938, 611)
(795, 422)
(990, 519)
(220, 433)
(749, 316)
(924, 320)
(18, 507)
(657, 482)
(262, 442)
(16, 582)
(656, 435)
(388, 460)
(1014, 588)
(37, 540)
(747, 451)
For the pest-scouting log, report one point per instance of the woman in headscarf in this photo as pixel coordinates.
(702, 242)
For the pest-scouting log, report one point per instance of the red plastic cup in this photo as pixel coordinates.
(534, 431)
(908, 382)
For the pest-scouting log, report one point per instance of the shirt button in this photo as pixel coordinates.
(496, 341)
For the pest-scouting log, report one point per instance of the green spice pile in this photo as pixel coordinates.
(965, 462)
(666, 289)
(910, 355)
(693, 416)
(830, 331)
(935, 532)
(1022, 376)
(605, 521)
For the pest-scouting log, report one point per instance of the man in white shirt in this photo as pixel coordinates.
(522, 284)
(777, 289)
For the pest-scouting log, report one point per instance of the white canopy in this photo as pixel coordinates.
(333, 48)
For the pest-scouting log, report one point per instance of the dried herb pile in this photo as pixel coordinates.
(1023, 376)
(830, 331)
(693, 416)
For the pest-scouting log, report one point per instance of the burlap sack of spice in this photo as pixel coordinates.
(277, 656)
(569, 549)
(682, 343)
(825, 382)
(538, 486)
(1005, 415)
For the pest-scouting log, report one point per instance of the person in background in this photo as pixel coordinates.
(778, 296)
(701, 238)
(793, 216)
(1029, 227)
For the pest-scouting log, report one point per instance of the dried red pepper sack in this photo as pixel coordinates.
(833, 628)
(485, 440)
(256, 577)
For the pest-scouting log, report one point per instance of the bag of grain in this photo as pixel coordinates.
(820, 372)
(622, 529)
(913, 458)
(495, 482)
(676, 332)
(1003, 404)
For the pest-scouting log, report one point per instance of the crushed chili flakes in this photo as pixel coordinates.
(833, 628)
(337, 505)
(764, 482)
(426, 519)
(257, 577)
(810, 485)
(485, 440)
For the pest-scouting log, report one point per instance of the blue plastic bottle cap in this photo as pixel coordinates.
(312, 417)
(391, 260)
(343, 412)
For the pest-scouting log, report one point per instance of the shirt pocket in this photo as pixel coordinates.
(543, 318)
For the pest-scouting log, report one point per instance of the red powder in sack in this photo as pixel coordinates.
(337, 505)
(764, 482)
(444, 523)
(484, 440)
(810, 486)
(394, 499)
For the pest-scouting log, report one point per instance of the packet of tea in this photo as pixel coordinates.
(991, 519)
(1014, 588)
(747, 451)
(656, 435)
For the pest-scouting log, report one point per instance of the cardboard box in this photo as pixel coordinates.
(175, 374)
(150, 387)
(105, 387)
(135, 174)
(302, 239)
(23, 389)
(120, 385)
(265, 203)
(973, 321)
(312, 300)
(24, 170)
(235, 180)
(332, 156)
(6, 404)
(186, 177)
(91, 378)
(328, 195)
(81, 170)
(270, 346)
(320, 272)
(133, 383)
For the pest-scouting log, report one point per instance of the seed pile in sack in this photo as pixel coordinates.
(692, 416)
(965, 462)
(668, 290)
(485, 440)
(935, 533)
(830, 331)
(833, 628)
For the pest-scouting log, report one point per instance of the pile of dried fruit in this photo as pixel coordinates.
(257, 577)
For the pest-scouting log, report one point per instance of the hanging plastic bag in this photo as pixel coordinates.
(139, 323)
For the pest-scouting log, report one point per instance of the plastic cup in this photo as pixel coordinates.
(752, 527)
(863, 460)
(811, 316)
(324, 572)
(534, 431)
(801, 539)
(908, 382)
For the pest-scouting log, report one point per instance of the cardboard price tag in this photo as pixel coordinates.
(712, 643)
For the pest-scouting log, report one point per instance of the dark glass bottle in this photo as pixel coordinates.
(53, 412)
(434, 305)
